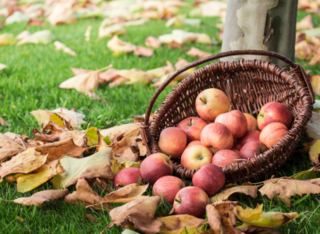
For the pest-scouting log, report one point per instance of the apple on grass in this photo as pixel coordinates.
(192, 201)
(195, 156)
(252, 149)
(192, 126)
(272, 133)
(212, 102)
(235, 121)
(225, 158)
(155, 166)
(168, 187)
(127, 176)
(210, 178)
(273, 112)
(250, 136)
(251, 122)
(172, 142)
(217, 135)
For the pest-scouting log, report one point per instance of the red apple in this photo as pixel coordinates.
(217, 135)
(250, 136)
(272, 133)
(274, 112)
(192, 201)
(235, 121)
(194, 143)
(252, 148)
(192, 126)
(172, 142)
(127, 176)
(210, 178)
(251, 122)
(155, 166)
(212, 102)
(168, 187)
(195, 156)
(225, 158)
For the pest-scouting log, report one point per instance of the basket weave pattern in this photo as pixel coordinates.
(249, 84)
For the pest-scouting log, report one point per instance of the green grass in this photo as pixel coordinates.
(31, 83)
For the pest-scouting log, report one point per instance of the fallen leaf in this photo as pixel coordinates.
(314, 152)
(126, 149)
(136, 76)
(175, 45)
(43, 37)
(108, 76)
(92, 135)
(256, 217)
(13, 178)
(113, 30)
(214, 220)
(62, 14)
(313, 126)
(118, 130)
(153, 42)
(303, 50)
(36, 22)
(300, 36)
(61, 122)
(176, 224)
(87, 33)
(181, 63)
(17, 17)
(79, 138)
(20, 219)
(24, 162)
(94, 166)
(26, 183)
(305, 23)
(61, 46)
(7, 39)
(230, 192)
(194, 52)
(162, 71)
(39, 198)
(117, 166)
(213, 8)
(91, 218)
(118, 46)
(140, 212)
(57, 150)
(84, 195)
(44, 137)
(75, 119)
(125, 194)
(315, 83)
(142, 51)
(307, 175)
(258, 230)
(23, 35)
(9, 146)
(286, 188)
(2, 121)
(118, 81)
(101, 185)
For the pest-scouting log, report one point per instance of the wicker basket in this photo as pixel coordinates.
(249, 84)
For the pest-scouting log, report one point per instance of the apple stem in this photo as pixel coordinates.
(204, 101)
(177, 200)
(190, 121)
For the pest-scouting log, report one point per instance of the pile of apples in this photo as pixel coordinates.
(218, 138)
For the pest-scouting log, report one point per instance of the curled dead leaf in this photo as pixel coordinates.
(226, 194)
(60, 46)
(142, 51)
(305, 23)
(62, 14)
(153, 42)
(118, 46)
(194, 52)
(118, 130)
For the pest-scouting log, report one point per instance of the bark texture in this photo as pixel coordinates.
(260, 25)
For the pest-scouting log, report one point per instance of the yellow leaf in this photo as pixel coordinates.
(117, 166)
(118, 46)
(13, 178)
(118, 130)
(176, 224)
(136, 76)
(28, 182)
(7, 39)
(24, 162)
(314, 152)
(256, 217)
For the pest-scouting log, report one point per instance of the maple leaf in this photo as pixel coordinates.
(43, 37)
(10, 146)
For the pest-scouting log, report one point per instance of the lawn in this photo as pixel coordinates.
(31, 82)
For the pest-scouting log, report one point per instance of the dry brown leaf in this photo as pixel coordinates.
(62, 14)
(36, 22)
(226, 194)
(140, 213)
(303, 50)
(176, 45)
(59, 149)
(125, 194)
(44, 137)
(3, 122)
(286, 188)
(305, 23)
(181, 63)
(118, 130)
(314, 152)
(60, 46)
(300, 37)
(28, 182)
(313, 126)
(39, 198)
(101, 185)
(118, 46)
(228, 218)
(24, 162)
(84, 195)
(259, 230)
(109, 75)
(126, 149)
(79, 138)
(153, 42)
(214, 220)
(118, 81)
(136, 76)
(78, 71)
(85, 82)
(142, 51)
(9, 147)
(162, 71)
(177, 224)
(194, 52)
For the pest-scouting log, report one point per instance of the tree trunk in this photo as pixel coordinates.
(260, 25)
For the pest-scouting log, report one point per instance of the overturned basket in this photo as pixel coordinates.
(249, 84)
